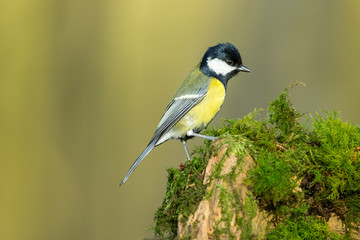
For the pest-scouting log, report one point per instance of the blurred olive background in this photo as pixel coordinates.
(84, 83)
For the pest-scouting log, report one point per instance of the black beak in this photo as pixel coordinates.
(242, 68)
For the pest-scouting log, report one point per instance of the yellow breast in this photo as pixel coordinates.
(201, 115)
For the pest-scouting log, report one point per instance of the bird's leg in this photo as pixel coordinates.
(186, 149)
(202, 136)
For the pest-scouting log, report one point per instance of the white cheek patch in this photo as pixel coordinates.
(219, 66)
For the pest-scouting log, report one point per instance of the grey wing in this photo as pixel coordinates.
(177, 108)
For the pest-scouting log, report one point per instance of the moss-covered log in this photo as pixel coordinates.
(229, 209)
(272, 178)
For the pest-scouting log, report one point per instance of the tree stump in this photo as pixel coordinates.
(229, 211)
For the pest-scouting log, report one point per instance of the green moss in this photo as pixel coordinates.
(336, 236)
(301, 228)
(304, 173)
(332, 176)
(284, 117)
(226, 201)
(248, 212)
(272, 179)
(244, 211)
(236, 145)
(184, 191)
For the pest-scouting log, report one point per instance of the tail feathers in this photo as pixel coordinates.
(138, 161)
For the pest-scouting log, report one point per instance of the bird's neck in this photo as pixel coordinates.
(204, 68)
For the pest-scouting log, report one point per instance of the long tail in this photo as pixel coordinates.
(138, 161)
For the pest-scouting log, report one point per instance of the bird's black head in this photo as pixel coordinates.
(222, 61)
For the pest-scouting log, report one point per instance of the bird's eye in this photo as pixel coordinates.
(230, 62)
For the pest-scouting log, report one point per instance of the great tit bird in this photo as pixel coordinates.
(197, 101)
